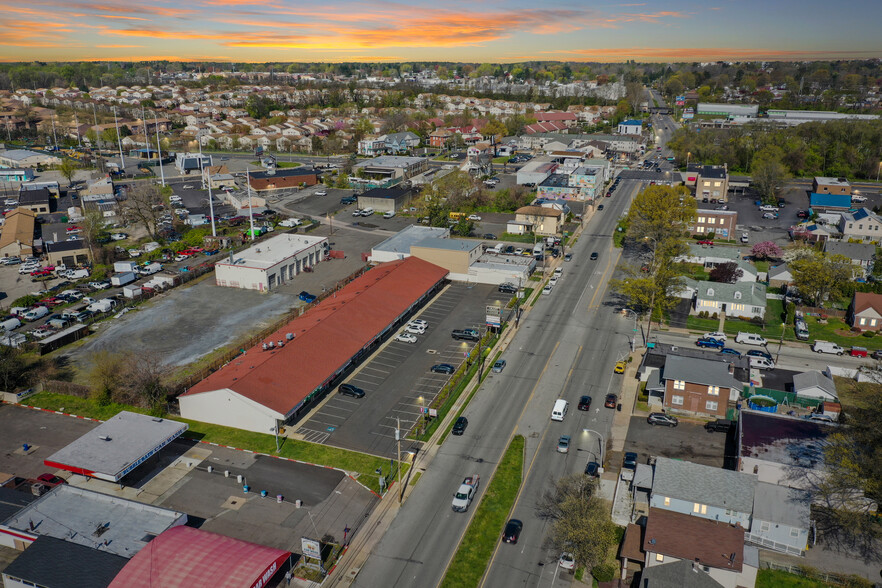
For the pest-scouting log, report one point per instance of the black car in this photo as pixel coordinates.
(350, 390)
(460, 425)
(489, 236)
(512, 531)
(611, 401)
(759, 353)
(348, 200)
(592, 468)
(585, 403)
(443, 368)
(510, 249)
(600, 207)
(660, 418)
(508, 288)
(593, 255)
(630, 461)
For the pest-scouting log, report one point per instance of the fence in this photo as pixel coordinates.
(818, 311)
(783, 398)
(806, 572)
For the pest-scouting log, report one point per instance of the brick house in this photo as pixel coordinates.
(865, 311)
(721, 223)
(821, 185)
(699, 386)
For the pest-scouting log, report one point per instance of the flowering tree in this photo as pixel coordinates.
(766, 250)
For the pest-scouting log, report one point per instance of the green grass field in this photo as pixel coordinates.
(474, 553)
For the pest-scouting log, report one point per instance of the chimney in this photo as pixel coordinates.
(731, 368)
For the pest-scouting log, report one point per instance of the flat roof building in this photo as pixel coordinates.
(454, 255)
(730, 111)
(282, 179)
(271, 263)
(20, 158)
(384, 199)
(117, 446)
(822, 185)
(388, 170)
(17, 236)
(398, 245)
(55, 563)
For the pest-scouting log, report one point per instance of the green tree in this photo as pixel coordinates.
(768, 173)
(818, 276)
(463, 227)
(68, 168)
(658, 219)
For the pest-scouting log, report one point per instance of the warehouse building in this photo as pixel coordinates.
(398, 245)
(385, 199)
(730, 111)
(272, 262)
(454, 255)
(283, 179)
(387, 170)
(24, 158)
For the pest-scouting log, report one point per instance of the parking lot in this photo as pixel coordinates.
(688, 441)
(397, 380)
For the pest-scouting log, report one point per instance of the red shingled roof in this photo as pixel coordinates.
(326, 337)
(865, 300)
(694, 538)
(183, 556)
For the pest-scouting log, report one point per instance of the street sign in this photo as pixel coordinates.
(310, 548)
(494, 316)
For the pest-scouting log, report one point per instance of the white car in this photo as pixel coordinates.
(768, 208)
(119, 237)
(291, 222)
(744, 237)
(750, 339)
(856, 198)
(547, 289)
(553, 281)
(187, 187)
(567, 561)
(406, 338)
(321, 193)
(415, 329)
(419, 323)
(388, 214)
(180, 257)
(474, 217)
(716, 335)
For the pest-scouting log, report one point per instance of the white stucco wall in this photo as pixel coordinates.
(225, 407)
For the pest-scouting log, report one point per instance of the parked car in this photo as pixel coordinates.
(474, 217)
(567, 561)
(585, 403)
(547, 289)
(706, 242)
(744, 238)
(563, 444)
(660, 418)
(730, 351)
(611, 401)
(419, 323)
(751, 339)
(512, 531)
(459, 426)
(599, 207)
(759, 353)
(443, 368)
(508, 288)
(719, 425)
(307, 297)
(630, 461)
(768, 208)
(51, 480)
(415, 329)
(770, 215)
(406, 338)
(388, 214)
(827, 347)
(498, 366)
(717, 335)
(321, 192)
(351, 390)
(710, 343)
(592, 468)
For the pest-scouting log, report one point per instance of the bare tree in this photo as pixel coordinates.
(144, 205)
(145, 379)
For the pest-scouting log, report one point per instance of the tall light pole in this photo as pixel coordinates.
(250, 207)
(877, 171)
(122, 162)
(159, 150)
(398, 440)
(688, 155)
(600, 441)
(634, 335)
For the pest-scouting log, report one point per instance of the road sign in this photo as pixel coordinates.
(310, 548)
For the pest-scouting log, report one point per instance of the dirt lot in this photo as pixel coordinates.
(688, 441)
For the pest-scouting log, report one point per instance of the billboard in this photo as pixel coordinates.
(494, 316)
(689, 113)
(310, 548)
(681, 100)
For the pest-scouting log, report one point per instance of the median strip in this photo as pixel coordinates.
(476, 548)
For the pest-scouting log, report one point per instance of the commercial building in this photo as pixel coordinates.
(558, 186)
(711, 182)
(730, 111)
(192, 162)
(797, 117)
(283, 179)
(16, 175)
(56, 563)
(823, 185)
(17, 236)
(720, 223)
(630, 127)
(270, 263)
(24, 158)
(454, 255)
(67, 253)
(387, 170)
(37, 201)
(398, 245)
(540, 220)
(385, 199)
(269, 386)
(536, 171)
(99, 189)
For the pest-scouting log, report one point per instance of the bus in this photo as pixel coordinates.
(457, 215)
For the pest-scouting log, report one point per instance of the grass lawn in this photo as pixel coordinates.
(761, 266)
(856, 394)
(351, 461)
(473, 555)
(501, 159)
(281, 164)
(698, 272)
(517, 238)
(781, 579)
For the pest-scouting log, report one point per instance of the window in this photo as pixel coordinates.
(872, 322)
(863, 321)
(677, 400)
(861, 226)
(710, 291)
(699, 229)
(659, 557)
(737, 296)
(711, 221)
(717, 184)
(699, 508)
(713, 390)
(701, 219)
(794, 532)
(679, 384)
(765, 527)
(667, 501)
(711, 405)
(736, 307)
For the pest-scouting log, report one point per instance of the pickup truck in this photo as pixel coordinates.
(467, 334)
(467, 490)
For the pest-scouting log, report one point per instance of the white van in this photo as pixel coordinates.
(560, 409)
(750, 339)
(761, 363)
(10, 324)
(35, 313)
(827, 347)
(498, 249)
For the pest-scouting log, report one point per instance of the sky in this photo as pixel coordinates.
(420, 30)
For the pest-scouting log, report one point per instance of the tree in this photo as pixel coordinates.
(463, 227)
(579, 518)
(766, 250)
(144, 205)
(92, 226)
(659, 217)
(68, 168)
(105, 375)
(726, 273)
(12, 367)
(145, 379)
(768, 173)
(818, 277)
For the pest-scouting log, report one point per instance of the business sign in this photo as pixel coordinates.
(310, 548)
(494, 316)
(689, 113)
(681, 100)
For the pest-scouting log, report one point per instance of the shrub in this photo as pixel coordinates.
(604, 572)
(868, 334)
(855, 329)
(715, 316)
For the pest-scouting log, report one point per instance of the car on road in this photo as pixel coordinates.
(563, 444)
(630, 461)
(512, 531)
(443, 368)
(350, 390)
(716, 335)
(706, 242)
(620, 366)
(660, 418)
(489, 236)
(406, 338)
(567, 561)
(592, 468)
(568, 257)
(770, 215)
(585, 403)
(710, 343)
(547, 289)
(599, 207)
(321, 193)
(750, 339)
(611, 401)
(498, 366)
(730, 351)
(759, 353)
(827, 347)
(857, 198)
(459, 426)
(474, 217)
(593, 255)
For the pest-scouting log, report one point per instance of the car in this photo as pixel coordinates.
(802, 214)
(782, 203)
(181, 257)
(744, 238)
(119, 236)
(620, 366)
(592, 468)
(419, 323)
(722, 207)
(730, 351)
(768, 208)
(567, 561)
(547, 289)
(611, 401)
(350, 390)
(356, 212)
(474, 217)
(507, 288)
(306, 296)
(552, 282)
(857, 198)
(719, 336)
(759, 353)
(710, 343)
(718, 425)
(593, 255)
(388, 214)
(660, 418)
(443, 368)
(415, 329)
(42, 332)
(706, 242)
(519, 251)
(348, 200)
(750, 339)
(770, 215)
(600, 207)
(459, 426)
(489, 236)
(563, 444)
(406, 338)
(498, 366)
(321, 192)
(585, 402)
(630, 461)
(51, 480)
(512, 531)
(568, 257)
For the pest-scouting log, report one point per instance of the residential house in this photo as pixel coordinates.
(702, 491)
(815, 384)
(713, 547)
(372, 146)
(397, 143)
(741, 299)
(676, 574)
(861, 224)
(699, 386)
(865, 311)
(17, 236)
(630, 127)
(861, 254)
(712, 183)
(781, 518)
(813, 232)
(822, 185)
(99, 189)
(719, 223)
(780, 276)
(567, 119)
(440, 137)
(537, 219)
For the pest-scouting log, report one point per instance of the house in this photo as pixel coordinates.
(860, 254)
(715, 223)
(822, 185)
(741, 299)
(630, 127)
(17, 236)
(715, 548)
(699, 386)
(540, 219)
(780, 276)
(815, 384)
(709, 256)
(865, 311)
(712, 183)
(677, 574)
(863, 224)
(781, 518)
(702, 491)
(372, 146)
(568, 119)
(440, 137)
(401, 142)
(813, 232)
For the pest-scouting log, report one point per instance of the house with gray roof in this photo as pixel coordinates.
(741, 299)
(401, 142)
(709, 255)
(861, 224)
(781, 518)
(860, 254)
(699, 386)
(703, 491)
(815, 384)
(780, 275)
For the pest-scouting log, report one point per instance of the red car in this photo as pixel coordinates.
(706, 242)
(51, 480)
(52, 301)
(611, 401)
(41, 273)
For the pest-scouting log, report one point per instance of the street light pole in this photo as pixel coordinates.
(398, 439)
(600, 441)
(780, 342)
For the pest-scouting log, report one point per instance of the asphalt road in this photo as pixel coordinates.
(556, 353)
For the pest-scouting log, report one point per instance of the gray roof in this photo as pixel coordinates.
(390, 161)
(813, 378)
(721, 251)
(22, 154)
(677, 574)
(53, 563)
(401, 241)
(779, 504)
(694, 482)
(699, 371)
(448, 244)
(752, 293)
(854, 251)
(112, 449)
(780, 272)
(12, 501)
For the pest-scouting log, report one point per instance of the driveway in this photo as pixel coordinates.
(688, 441)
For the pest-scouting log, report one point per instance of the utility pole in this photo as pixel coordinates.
(398, 439)
(77, 122)
(158, 148)
(250, 206)
(122, 162)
